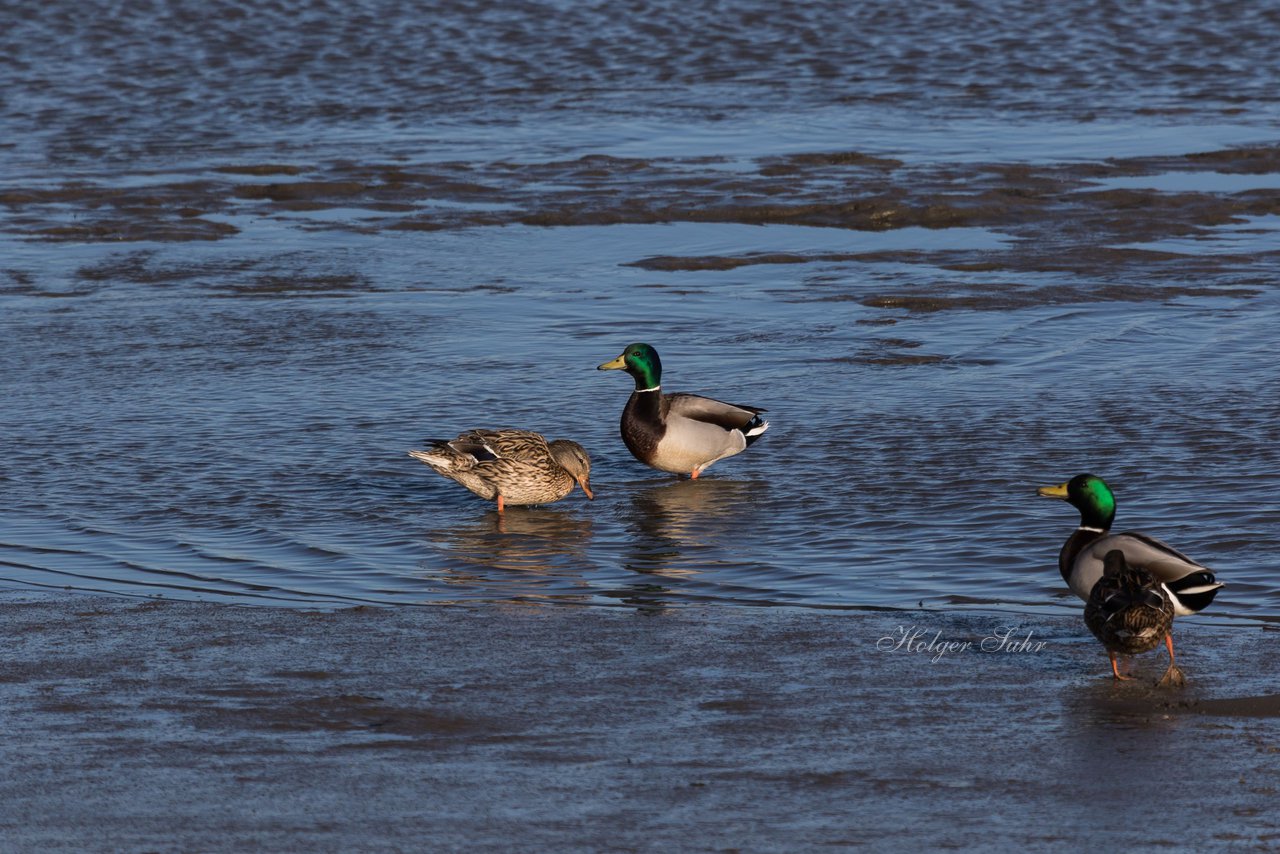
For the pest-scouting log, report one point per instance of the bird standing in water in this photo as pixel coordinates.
(679, 433)
(511, 466)
(1188, 586)
(1131, 613)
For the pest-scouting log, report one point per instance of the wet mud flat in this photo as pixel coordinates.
(1079, 220)
(163, 726)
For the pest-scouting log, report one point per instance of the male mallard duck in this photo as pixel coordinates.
(513, 466)
(679, 433)
(1131, 612)
(1189, 585)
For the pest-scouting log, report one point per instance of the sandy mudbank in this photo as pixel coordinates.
(183, 726)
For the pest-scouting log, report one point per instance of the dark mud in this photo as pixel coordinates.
(169, 726)
(1057, 216)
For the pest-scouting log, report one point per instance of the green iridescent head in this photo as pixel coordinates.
(1089, 494)
(642, 362)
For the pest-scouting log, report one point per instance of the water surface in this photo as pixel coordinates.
(957, 252)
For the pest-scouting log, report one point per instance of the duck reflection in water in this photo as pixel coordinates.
(672, 531)
(677, 529)
(524, 552)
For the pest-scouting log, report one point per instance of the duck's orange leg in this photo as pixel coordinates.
(1116, 670)
(694, 474)
(1173, 676)
(499, 502)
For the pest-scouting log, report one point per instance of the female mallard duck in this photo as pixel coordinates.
(1189, 585)
(512, 466)
(679, 433)
(1131, 612)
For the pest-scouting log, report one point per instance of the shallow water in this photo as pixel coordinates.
(954, 258)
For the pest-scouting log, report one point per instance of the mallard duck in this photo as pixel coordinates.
(679, 433)
(1190, 586)
(1131, 613)
(512, 466)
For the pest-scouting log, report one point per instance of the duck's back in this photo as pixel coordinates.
(1192, 584)
(1129, 611)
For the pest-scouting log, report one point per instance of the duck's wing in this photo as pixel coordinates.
(458, 466)
(1157, 557)
(728, 416)
(443, 456)
(486, 445)
(1192, 585)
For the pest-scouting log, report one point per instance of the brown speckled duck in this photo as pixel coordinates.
(1131, 613)
(511, 466)
(679, 433)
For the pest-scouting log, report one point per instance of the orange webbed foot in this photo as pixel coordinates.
(1115, 669)
(1173, 677)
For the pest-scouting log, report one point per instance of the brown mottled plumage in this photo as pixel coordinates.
(510, 466)
(1131, 613)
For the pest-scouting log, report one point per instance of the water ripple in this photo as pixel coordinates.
(240, 280)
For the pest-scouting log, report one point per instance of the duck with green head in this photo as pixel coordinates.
(1190, 586)
(679, 433)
